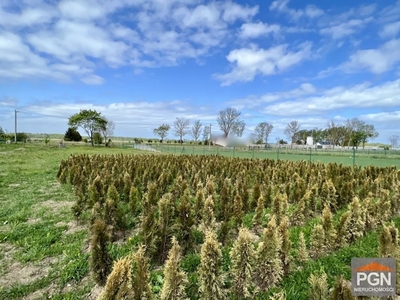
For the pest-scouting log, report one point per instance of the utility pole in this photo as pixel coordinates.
(15, 126)
(209, 143)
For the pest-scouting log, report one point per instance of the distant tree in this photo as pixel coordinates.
(181, 126)
(333, 133)
(90, 121)
(262, 131)
(292, 129)
(47, 139)
(228, 120)
(1, 131)
(72, 135)
(238, 128)
(206, 132)
(351, 125)
(196, 130)
(97, 138)
(394, 140)
(162, 131)
(359, 132)
(107, 130)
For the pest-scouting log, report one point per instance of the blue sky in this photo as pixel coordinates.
(142, 63)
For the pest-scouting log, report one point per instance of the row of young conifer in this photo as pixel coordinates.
(199, 205)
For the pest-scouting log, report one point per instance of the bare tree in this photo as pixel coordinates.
(238, 128)
(227, 119)
(262, 131)
(333, 132)
(206, 132)
(107, 130)
(394, 140)
(351, 127)
(196, 130)
(181, 126)
(292, 129)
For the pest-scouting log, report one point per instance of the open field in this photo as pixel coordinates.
(44, 250)
(382, 158)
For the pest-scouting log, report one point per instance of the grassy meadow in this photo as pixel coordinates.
(44, 250)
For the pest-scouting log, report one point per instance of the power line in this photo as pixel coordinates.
(45, 115)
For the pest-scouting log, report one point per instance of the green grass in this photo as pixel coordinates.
(362, 157)
(35, 215)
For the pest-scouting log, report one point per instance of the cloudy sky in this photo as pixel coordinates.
(145, 62)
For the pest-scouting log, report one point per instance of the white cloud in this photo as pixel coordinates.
(249, 62)
(8, 102)
(73, 33)
(382, 117)
(390, 30)
(310, 11)
(357, 96)
(344, 29)
(93, 79)
(255, 30)
(255, 101)
(376, 61)
(27, 16)
(234, 11)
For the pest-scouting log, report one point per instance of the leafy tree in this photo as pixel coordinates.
(89, 120)
(196, 130)
(262, 131)
(228, 120)
(181, 126)
(97, 138)
(72, 135)
(292, 129)
(162, 131)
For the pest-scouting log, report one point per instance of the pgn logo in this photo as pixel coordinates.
(373, 276)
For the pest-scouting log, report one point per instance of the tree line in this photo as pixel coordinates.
(353, 132)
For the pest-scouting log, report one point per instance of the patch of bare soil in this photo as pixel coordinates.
(52, 206)
(16, 273)
(72, 226)
(95, 292)
(32, 221)
(14, 185)
(39, 294)
(7, 251)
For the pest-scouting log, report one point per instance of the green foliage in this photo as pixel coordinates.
(162, 131)
(118, 284)
(242, 257)
(269, 269)
(90, 121)
(72, 135)
(319, 286)
(97, 138)
(211, 278)
(141, 276)
(100, 261)
(174, 279)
